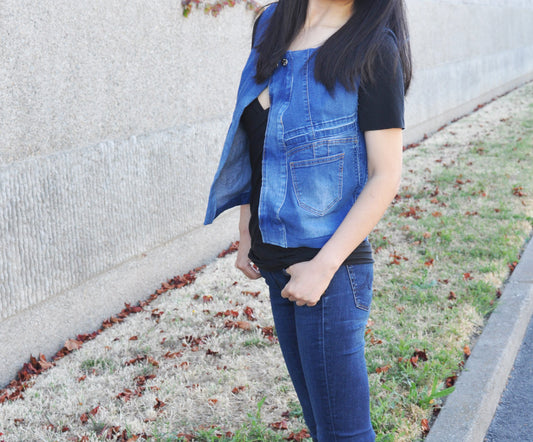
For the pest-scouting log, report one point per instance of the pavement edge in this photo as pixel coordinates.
(468, 411)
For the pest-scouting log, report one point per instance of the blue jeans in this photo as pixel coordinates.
(323, 347)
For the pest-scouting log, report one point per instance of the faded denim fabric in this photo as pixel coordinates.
(314, 160)
(323, 347)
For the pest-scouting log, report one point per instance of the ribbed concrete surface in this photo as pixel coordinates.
(69, 216)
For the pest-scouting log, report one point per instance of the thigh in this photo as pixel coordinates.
(331, 345)
(283, 312)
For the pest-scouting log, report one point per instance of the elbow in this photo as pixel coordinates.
(397, 182)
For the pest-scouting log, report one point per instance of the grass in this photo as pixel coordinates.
(458, 229)
(189, 371)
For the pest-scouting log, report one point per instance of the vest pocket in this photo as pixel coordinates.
(317, 183)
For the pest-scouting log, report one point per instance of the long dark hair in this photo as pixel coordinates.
(350, 53)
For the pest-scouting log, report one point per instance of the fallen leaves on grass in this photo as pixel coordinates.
(412, 212)
(281, 425)
(159, 404)
(300, 436)
(233, 313)
(517, 191)
(238, 389)
(425, 426)
(231, 249)
(249, 312)
(243, 325)
(397, 258)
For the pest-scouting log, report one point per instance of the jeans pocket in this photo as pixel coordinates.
(317, 183)
(361, 277)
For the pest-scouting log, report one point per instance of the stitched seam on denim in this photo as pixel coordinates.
(353, 282)
(330, 407)
(324, 126)
(295, 165)
(319, 143)
(281, 226)
(307, 64)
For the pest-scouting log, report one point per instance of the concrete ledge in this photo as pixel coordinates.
(418, 130)
(45, 326)
(469, 410)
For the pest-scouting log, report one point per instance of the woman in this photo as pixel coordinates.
(313, 157)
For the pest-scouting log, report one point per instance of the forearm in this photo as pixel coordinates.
(244, 219)
(360, 220)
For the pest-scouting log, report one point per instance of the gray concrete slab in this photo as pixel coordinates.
(513, 420)
(469, 410)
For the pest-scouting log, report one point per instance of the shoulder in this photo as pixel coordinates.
(388, 48)
(261, 20)
(386, 58)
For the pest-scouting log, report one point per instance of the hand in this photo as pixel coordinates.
(309, 280)
(243, 263)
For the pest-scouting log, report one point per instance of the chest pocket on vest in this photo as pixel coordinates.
(317, 182)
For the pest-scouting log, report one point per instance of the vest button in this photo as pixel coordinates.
(284, 62)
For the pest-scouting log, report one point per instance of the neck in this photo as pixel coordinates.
(328, 13)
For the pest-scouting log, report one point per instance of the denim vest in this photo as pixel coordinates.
(314, 159)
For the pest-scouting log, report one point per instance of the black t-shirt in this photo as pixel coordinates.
(380, 106)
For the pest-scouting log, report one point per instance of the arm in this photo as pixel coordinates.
(310, 279)
(242, 262)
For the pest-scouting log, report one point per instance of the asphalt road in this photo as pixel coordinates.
(513, 420)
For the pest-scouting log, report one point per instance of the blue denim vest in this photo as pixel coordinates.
(314, 158)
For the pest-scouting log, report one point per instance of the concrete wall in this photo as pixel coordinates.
(112, 117)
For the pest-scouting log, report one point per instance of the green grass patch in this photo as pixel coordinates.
(472, 217)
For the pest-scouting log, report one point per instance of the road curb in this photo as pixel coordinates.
(468, 411)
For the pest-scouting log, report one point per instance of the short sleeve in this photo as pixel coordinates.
(381, 103)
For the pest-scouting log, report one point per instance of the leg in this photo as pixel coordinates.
(284, 320)
(330, 339)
